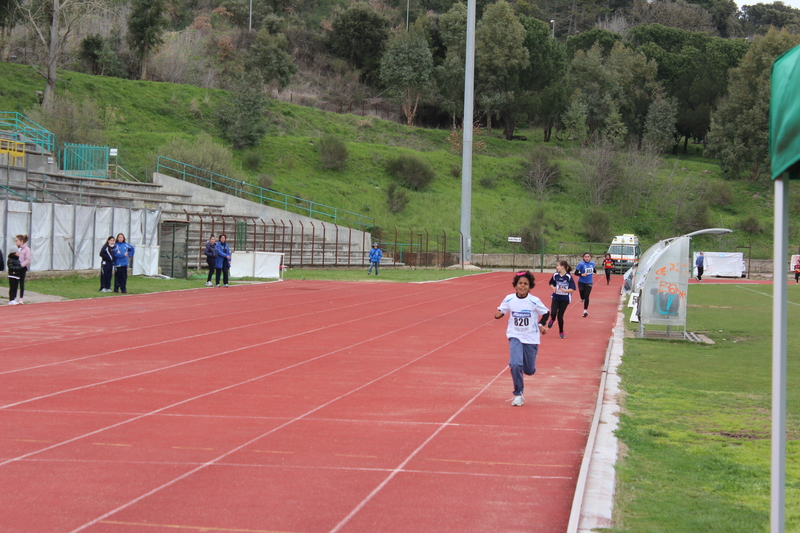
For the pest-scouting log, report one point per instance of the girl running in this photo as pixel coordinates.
(563, 287)
(608, 265)
(526, 320)
(584, 271)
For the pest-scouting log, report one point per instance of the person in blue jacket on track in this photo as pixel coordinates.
(123, 252)
(223, 265)
(584, 271)
(375, 256)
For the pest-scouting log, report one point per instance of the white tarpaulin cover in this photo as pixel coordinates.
(723, 264)
(663, 294)
(146, 261)
(256, 265)
(68, 237)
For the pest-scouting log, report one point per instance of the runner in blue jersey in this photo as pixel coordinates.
(563, 287)
(584, 271)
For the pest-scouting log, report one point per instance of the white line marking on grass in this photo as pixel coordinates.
(762, 293)
(413, 454)
(301, 417)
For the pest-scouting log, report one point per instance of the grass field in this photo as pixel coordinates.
(696, 422)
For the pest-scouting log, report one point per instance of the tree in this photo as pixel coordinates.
(359, 35)
(543, 78)
(9, 16)
(594, 86)
(145, 28)
(267, 57)
(406, 70)
(450, 74)
(242, 119)
(51, 24)
(500, 58)
(679, 14)
(659, 126)
(693, 68)
(739, 134)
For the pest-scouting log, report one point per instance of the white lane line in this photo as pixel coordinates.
(761, 293)
(413, 454)
(301, 417)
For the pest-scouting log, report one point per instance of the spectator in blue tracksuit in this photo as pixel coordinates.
(123, 252)
(375, 256)
(223, 264)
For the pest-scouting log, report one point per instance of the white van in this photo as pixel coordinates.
(625, 251)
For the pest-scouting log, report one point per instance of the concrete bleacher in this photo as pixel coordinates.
(304, 241)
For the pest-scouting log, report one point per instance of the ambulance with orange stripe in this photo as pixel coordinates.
(625, 252)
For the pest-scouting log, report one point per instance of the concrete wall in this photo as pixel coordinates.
(240, 207)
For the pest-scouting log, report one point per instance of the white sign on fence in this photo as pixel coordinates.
(515, 239)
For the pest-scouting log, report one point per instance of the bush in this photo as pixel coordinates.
(333, 152)
(751, 224)
(719, 193)
(540, 174)
(412, 171)
(252, 160)
(71, 120)
(265, 181)
(204, 153)
(597, 225)
(397, 198)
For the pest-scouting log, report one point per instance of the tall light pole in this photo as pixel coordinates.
(552, 21)
(466, 154)
(250, 24)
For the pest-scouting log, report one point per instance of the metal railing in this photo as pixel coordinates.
(27, 130)
(254, 193)
(22, 196)
(85, 161)
(14, 152)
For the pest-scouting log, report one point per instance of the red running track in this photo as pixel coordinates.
(299, 406)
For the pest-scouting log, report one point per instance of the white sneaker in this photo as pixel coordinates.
(518, 401)
(12, 302)
(208, 283)
(226, 284)
(20, 301)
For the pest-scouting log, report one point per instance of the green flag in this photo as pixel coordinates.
(784, 113)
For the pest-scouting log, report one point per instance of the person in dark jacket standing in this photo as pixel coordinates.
(14, 274)
(375, 256)
(223, 263)
(211, 258)
(107, 264)
(123, 252)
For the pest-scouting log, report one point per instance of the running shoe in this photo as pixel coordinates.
(585, 313)
(562, 335)
(208, 283)
(550, 324)
(518, 401)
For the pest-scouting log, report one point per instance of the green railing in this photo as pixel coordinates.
(23, 196)
(24, 129)
(218, 182)
(85, 160)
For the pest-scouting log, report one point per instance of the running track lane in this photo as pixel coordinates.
(294, 407)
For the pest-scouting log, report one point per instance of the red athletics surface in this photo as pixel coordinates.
(299, 406)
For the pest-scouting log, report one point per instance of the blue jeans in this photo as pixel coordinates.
(522, 361)
(373, 264)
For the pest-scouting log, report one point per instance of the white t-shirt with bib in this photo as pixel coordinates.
(523, 317)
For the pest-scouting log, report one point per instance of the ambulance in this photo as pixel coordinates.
(625, 251)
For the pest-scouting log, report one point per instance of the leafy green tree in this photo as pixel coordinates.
(636, 76)
(500, 57)
(146, 25)
(406, 70)
(693, 68)
(242, 119)
(99, 58)
(586, 40)
(9, 17)
(543, 78)
(659, 127)
(679, 14)
(762, 16)
(267, 58)
(594, 86)
(359, 35)
(739, 134)
(449, 75)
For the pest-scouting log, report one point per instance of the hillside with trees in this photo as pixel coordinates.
(596, 118)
